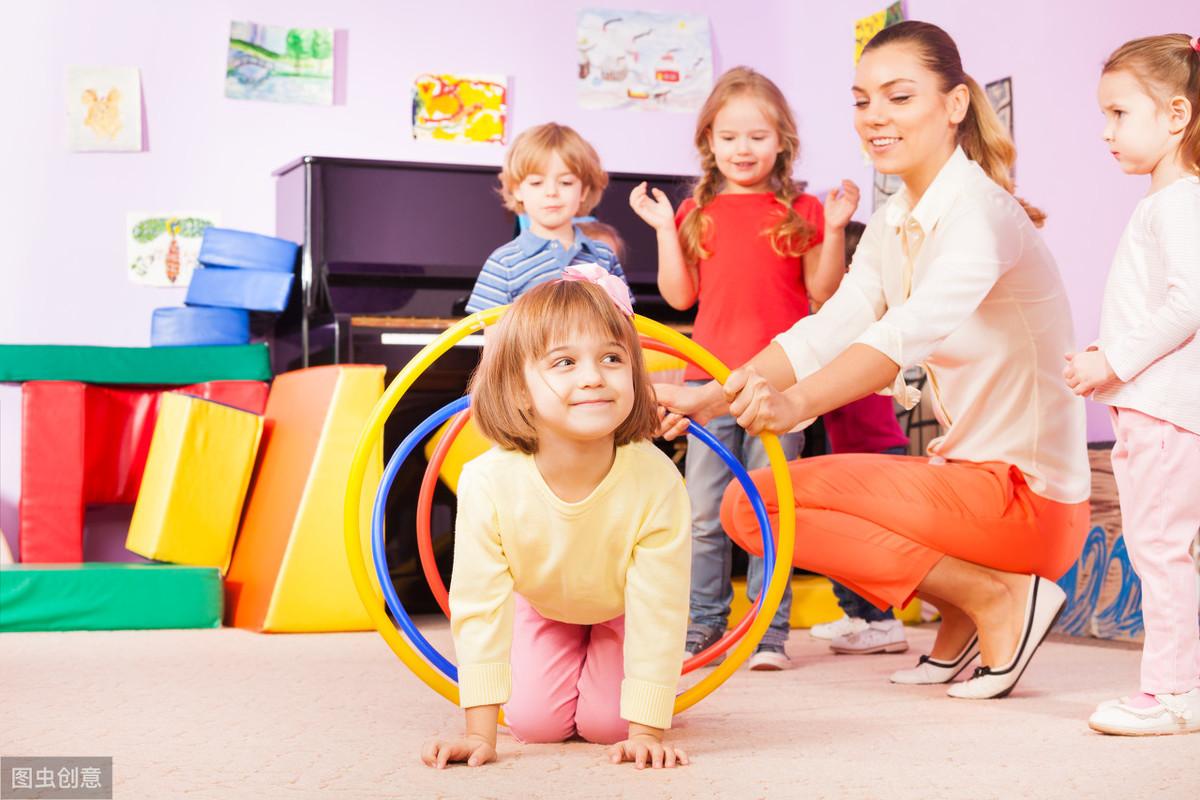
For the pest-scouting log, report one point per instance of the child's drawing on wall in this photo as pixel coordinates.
(104, 109)
(163, 248)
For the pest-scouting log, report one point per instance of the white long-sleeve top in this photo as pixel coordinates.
(963, 285)
(1151, 312)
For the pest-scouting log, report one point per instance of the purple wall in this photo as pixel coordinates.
(63, 214)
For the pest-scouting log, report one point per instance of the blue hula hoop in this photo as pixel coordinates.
(439, 418)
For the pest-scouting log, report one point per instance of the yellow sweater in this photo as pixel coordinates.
(624, 549)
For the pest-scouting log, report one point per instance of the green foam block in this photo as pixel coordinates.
(134, 365)
(105, 597)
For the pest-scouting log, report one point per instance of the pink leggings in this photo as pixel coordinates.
(1156, 464)
(566, 679)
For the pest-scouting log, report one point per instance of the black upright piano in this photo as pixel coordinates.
(388, 242)
(389, 254)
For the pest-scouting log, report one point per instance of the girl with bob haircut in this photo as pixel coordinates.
(568, 602)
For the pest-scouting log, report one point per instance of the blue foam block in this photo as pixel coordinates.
(198, 325)
(223, 247)
(253, 289)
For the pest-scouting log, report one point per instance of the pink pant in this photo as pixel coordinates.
(1157, 467)
(566, 679)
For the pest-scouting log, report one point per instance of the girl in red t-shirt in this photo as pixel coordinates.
(748, 246)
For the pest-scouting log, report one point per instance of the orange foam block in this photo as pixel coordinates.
(289, 571)
(197, 472)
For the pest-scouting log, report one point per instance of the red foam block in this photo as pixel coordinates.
(83, 443)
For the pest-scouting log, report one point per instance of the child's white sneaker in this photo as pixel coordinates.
(1174, 713)
(882, 636)
(839, 627)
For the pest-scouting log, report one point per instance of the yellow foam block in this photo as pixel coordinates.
(813, 603)
(197, 471)
(289, 571)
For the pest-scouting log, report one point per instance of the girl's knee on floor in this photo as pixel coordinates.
(601, 726)
(531, 726)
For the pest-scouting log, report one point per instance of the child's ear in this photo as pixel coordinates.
(1179, 114)
(89, 97)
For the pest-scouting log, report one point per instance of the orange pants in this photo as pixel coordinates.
(879, 523)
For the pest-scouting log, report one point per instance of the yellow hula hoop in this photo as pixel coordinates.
(373, 432)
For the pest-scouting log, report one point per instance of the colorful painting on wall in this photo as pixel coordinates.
(162, 248)
(460, 108)
(644, 61)
(280, 64)
(866, 28)
(104, 109)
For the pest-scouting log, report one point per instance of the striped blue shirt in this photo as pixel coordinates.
(528, 260)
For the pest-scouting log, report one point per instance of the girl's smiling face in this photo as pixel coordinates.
(581, 389)
(745, 143)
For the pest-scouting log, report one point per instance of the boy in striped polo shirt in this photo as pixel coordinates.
(551, 175)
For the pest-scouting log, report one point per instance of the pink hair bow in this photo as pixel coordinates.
(1195, 43)
(611, 284)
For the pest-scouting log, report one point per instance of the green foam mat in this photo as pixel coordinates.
(104, 597)
(134, 365)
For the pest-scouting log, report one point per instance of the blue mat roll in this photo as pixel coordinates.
(253, 289)
(198, 325)
(224, 247)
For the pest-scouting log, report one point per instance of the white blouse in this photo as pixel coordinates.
(1151, 312)
(963, 286)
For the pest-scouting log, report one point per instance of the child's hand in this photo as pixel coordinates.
(472, 749)
(840, 204)
(1087, 371)
(645, 749)
(677, 403)
(655, 210)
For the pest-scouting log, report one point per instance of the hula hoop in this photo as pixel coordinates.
(373, 431)
(460, 408)
(438, 587)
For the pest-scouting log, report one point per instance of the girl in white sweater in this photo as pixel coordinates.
(1146, 366)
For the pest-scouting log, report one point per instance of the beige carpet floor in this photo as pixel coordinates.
(230, 714)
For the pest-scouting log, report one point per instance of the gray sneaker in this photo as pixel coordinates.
(699, 639)
(770, 658)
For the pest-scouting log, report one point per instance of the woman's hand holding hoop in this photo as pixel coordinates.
(757, 405)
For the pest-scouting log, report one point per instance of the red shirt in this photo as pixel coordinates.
(867, 425)
(748, 293)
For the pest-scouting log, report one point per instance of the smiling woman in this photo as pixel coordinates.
(900, 115)
(950, 275)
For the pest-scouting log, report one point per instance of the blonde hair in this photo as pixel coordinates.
(607, 234)
(1166, 66)
(541, 318)
(791, 234)
(531, 150)
(982, 136)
